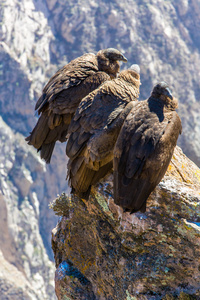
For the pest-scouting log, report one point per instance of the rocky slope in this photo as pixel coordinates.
(25, 271)
(103, 253)
(37, 37)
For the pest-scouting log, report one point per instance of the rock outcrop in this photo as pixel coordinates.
(103, 253)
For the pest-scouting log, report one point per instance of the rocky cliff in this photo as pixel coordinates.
(38, 37)
(25, 271)
(103, 253)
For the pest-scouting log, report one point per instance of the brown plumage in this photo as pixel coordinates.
(95, 127)
(144, 148)
(63, 93)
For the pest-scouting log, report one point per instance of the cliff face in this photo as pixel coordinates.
(103, 253)
(25, 271)
(38, 37)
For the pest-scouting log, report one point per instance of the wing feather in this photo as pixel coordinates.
(70, 75)
(56, 116)
(142, 154)
(94, 112)
(94, 130)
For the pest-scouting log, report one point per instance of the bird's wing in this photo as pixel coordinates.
(92, 116)
(94, 130)
(60, 100)
(69, 76)
(55, 119)
(139, 160)
(68, 100)
(137, 140)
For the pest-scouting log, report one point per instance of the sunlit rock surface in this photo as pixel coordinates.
(103, 253)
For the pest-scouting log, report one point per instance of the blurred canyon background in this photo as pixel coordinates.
(37, 37)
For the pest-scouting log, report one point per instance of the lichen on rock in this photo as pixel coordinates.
(140, 256)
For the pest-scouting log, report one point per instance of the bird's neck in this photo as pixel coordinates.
(165, 102)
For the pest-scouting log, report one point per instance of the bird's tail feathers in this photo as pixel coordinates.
(80, 177)
(46, 151)
(82, 195)
(39, 133)
(132, 197)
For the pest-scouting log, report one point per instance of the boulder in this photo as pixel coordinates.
(103, 253)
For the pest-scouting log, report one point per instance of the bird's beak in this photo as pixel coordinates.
(169, 94)
(123, 58)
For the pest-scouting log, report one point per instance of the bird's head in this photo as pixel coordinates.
(135, 68)
(163, 92)
(131, 74)
(162, 88)
(108, 61)
(113, 54)
(130, 79)
(134, 71)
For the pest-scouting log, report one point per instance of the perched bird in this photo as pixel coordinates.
(144, 148)
(95, 128)
(63, 93)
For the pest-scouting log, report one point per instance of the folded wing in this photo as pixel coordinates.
(142, 154)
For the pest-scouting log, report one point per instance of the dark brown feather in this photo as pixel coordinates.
(63, 93)
(144, 149)
(94, 130)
